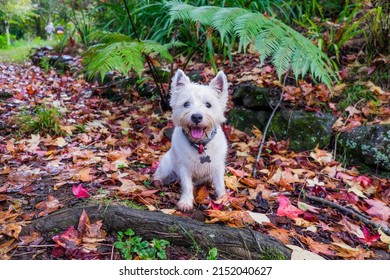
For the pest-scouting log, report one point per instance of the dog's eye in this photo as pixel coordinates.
(208, 105)
(186, 105)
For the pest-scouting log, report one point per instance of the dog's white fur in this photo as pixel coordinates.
(182, 161)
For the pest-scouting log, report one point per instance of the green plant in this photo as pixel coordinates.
(332, 36)
(40, 119)
(121, 53)
(288, 49)
(132, 246)
(358, 96)
(45, 64)
(213, 254)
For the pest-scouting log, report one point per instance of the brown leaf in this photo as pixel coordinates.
(235, 218)
(51, 205)
(347, 252)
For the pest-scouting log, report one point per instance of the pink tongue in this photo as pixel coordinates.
(196, 133)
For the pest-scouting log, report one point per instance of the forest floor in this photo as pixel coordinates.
(105, 152)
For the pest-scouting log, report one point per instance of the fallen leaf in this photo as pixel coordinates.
(379, 209)
(345, 251)
(79, 191)
(259, 217)
(368, 238)
(301, 254)
(384, 238)
(60, 142)
(235, 218)
(286, 209)
(84, 175)
(52, 204)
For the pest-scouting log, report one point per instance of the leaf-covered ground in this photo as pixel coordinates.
(107, 152)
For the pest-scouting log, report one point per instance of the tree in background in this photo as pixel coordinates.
(14, 11)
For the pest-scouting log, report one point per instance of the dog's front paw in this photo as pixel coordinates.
(185, 204)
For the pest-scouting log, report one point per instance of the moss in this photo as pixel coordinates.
(272, 254)
(243, 119)
(367, 146)
(378, 156)
(173, 229)
(278, 127)
(305, 130)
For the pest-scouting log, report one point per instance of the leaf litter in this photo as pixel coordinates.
(107, 152)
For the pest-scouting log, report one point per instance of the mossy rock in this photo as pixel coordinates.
(252, 97)
(368, 144)
(244, 119)
(305, 130)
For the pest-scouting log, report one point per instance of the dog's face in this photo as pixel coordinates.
(198, 109)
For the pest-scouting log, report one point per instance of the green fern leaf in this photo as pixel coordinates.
(288, 48)
(121, 53)
(224, 20)
(204, 14)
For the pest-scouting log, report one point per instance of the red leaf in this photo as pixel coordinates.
(286, 209)
(80, 192)
(364, 180)
(368, 238)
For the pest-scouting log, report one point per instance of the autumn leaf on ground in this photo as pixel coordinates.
(235, 218)
(80, 243)
(347, 252)
(321, 156)
(80, 192)
(301, 254)
(364, 180)
(384, 238)
(34, 238)
(368, 238)
(52, 204)
(286, 209)
(259, 217)
(378, 209)
(7, 247)
(84, 175)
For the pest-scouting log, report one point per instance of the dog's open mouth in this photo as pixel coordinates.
(196, 132)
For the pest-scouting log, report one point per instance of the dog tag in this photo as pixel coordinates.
(204, 159)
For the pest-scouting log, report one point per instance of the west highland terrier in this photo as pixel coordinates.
(199, 146)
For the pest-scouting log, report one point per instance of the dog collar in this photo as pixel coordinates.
(200, 147)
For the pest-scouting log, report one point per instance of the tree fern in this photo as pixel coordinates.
(121, 53)
(288, 49)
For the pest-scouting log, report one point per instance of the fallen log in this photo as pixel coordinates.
(232, 243)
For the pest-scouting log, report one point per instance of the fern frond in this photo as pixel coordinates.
(121, 53)
(247, 27)
(224, 20)
(179, 10)
(288, 48)
(204, 14)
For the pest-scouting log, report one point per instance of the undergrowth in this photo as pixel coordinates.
(40, 119)
(132, 246)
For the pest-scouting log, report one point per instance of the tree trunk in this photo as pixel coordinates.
(231, 243)
(7, 32)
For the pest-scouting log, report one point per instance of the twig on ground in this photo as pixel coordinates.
(349, 212)
(266, 129)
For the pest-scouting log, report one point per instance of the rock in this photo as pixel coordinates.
(305, 130)
(368, 144)
(244, 119)
(195, 76)
(253, 97)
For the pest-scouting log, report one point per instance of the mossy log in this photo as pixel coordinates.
(231, 243)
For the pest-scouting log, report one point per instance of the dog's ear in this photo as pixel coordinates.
(180, 79)
(219, 83)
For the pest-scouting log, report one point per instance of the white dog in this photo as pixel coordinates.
(199, 146)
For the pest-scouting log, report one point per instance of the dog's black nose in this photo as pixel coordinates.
(196, 118)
